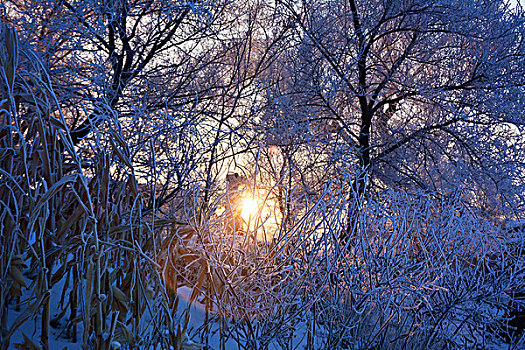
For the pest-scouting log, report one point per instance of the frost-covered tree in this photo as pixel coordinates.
(173, 76)
(428, 94)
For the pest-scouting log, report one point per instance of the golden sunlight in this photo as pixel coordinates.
(250, 208)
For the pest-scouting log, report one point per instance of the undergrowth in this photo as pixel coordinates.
(415, 272)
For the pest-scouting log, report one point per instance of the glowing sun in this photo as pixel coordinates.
(250, 208)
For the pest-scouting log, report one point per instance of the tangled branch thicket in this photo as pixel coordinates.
(81, 255)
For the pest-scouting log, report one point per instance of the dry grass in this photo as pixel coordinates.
(84, 238)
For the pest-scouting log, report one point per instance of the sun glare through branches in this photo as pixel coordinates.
(228, 174)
